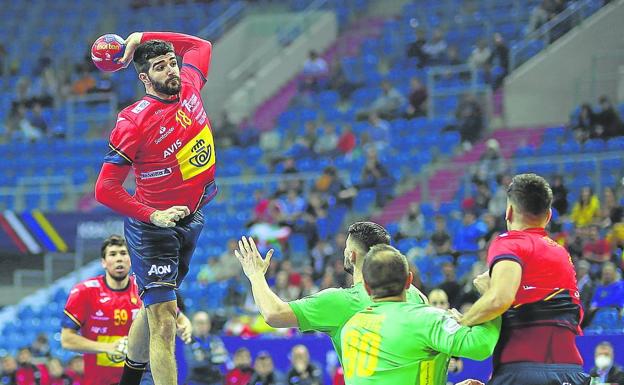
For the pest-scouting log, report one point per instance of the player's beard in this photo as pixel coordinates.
(348, 265)
(167, 86)
(117, 277)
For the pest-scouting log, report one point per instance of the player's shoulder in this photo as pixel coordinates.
(512, 236)
(138, 112)
(89, 284)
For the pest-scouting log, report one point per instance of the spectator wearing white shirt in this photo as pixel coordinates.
(435, 49)
(480, 55)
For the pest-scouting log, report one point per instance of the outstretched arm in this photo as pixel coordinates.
(276, 312)
(504, 283)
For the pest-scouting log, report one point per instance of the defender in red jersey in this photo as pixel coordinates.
(533, 285)
(99, 313)
(166, 139)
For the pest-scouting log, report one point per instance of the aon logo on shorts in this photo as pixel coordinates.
(160, 270)
(197, 155)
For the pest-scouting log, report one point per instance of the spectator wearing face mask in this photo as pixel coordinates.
(606, 371)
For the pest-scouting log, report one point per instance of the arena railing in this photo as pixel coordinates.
(605, 76)
(572, 16)
(225, 21)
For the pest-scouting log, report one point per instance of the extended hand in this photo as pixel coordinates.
(470, 382)
(482, 282)
(132, 42)
(185, 328)
(250, 258)
(168, 218)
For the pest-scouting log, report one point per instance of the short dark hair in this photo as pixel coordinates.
(368, 234)
(385, 271)
(149, 50)
(113, 240)
(531, 194)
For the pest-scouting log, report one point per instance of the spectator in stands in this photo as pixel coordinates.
(610, 291)
(480, 55)
(302, 371)
(440, 238)
(467, 236)
(327, 143)
(608, 119)
(205, 354)
(291, 208)
(283, 288)
(308, 286)
(224, 269)
(57, 374)
(339, 82)
(584, 282)
(498, 202)
(335, 188)
(37, 120)
(27, 371)
(560, 195)
(450, 285)
(242, 372)
(499, 61)
(314, 71)
(596, 249)
(23, 93)
(439, 299)
(493, 229)
(28, 131)
(227, 132)
(415, 49)
(412, 224)
(270, 142)
(40, 347)
(44, 87)
(264, 371)
(387, 105)
(606, 371)
(417, 100)
(435, 49)
(376, 177)
(608, 207)
(321, 254)
(84, 83)
(4, 62)
(585, 125)
(469, 119)
(540, 15)
(587, 209)
(379, 132)
(482, 197)
(452, 56)
(75, 369)
(347, 141)
(208, 271)
(9, 370)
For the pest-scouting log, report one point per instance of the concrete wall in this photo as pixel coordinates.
(229, 86)
(274, 70)
(544, 90)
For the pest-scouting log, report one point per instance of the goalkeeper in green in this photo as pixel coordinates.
(396, 342)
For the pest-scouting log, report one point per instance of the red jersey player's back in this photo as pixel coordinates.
(102, 314)
(546, 312)
(169, 143)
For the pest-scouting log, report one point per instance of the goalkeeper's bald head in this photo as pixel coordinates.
(386, 272)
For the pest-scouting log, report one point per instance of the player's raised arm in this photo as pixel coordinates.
(195, 52)
(276, 312)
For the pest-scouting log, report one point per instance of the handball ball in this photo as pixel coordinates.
(106, 51)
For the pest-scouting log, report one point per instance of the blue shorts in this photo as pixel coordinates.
(530, 373)
(161, 255)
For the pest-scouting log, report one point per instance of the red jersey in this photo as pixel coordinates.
(544, 319)
(167, 142)
(104, 315)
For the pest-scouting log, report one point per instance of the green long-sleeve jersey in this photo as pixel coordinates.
(329, 310)
(406, 343)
